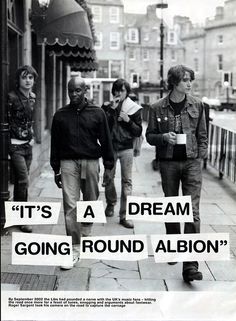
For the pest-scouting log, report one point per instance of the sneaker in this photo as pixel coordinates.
(191, 275)
(126, 223)
(109, 211)
(76, 254)
(26, 228)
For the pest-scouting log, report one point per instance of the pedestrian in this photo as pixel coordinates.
(79, 137)
(21, 102)
(180, 161)
(125, 123)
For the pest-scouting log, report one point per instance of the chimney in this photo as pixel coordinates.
(151, 11)
(219, 13)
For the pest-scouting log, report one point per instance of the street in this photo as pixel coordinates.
(218, 214)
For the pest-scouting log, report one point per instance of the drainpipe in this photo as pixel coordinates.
(4, 128)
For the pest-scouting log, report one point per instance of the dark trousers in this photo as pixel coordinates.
(188, 173)
(21, 158)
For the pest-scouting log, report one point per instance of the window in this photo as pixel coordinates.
(171, 37)
(132, 55)
(146, 99)
(220, 62)
(102, 69)
(195, 46)
(145, 54)
(97, 13)
(133, 35)
(220, 39)
(114, 15)
(114, 40)
(98, 44)
(196, 64)
(116, 69)
(146, 74)
(145, 36)
(173, 55)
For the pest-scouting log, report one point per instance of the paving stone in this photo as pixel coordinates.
(162, 271)
(107, 284)
(75, 279)
(51, 190)
(217, 219)
(212, 208)
(115, 269)
(143, 285)
(114, 274)
(223, 270)
(228, 207)
(177, 285)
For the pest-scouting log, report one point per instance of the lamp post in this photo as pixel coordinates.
(162, 5)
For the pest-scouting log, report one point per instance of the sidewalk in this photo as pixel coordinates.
(218, 214)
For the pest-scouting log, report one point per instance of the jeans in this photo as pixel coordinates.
(189, 174)
(78, 175)
(21, 158)
(126, 163)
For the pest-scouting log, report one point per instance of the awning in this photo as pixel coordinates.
(66, 31)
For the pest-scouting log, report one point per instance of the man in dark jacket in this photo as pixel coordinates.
(21, 104)
(125, 122)
(79, 137)
(177, 127)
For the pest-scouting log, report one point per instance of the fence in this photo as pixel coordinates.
(222, 151)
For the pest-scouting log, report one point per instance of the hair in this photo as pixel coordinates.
(118, 84)
(176, 74)
(26, 70)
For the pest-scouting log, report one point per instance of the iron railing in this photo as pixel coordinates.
(222, 151)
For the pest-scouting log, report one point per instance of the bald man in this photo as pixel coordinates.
(79, 137)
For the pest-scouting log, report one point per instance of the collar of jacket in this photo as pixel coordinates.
(189, 101)
(21, 94)
(82, 106)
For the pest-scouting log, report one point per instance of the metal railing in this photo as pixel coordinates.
(222, 151)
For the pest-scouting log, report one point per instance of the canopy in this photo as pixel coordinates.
(66, 31)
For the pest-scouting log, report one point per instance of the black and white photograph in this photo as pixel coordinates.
(118, 160)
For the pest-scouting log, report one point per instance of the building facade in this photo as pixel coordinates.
(108, 18)
(142, 53)
(210, 51)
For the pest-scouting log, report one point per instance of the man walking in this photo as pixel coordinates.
(177, 127)
(79, 137)
(125, 122)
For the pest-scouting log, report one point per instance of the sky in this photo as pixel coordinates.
(196, 10)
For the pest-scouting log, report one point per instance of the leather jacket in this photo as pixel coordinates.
(161, 120)
(20, 115)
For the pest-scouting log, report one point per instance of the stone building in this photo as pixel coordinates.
(142, 53)
(210, 50)
(108, 18)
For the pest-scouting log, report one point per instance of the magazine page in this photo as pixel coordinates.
(118, 161)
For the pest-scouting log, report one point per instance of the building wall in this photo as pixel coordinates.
(147, 28)
(110, 60)
(194, 44)
(223, 25)
(217, 38)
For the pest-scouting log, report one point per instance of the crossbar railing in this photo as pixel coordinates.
(222, 151)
